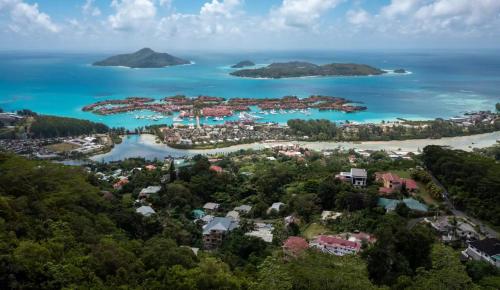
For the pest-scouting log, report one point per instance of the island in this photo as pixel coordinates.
(399, 71)
(243, 64)
(305, 69)
(144, 58)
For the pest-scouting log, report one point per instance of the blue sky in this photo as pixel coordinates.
(98, 25)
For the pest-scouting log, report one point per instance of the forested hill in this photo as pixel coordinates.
(44, 126)
(473, 181)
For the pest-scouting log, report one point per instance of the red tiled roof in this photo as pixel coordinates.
(410, 184)
(295, 244)
(338, 242)
(216, 168)
(391, 177)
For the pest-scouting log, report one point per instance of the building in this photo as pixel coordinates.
(216, 169)
(243, 209)
(486, 250)
(413, 204)
(356, 177)
(452, 230)
(146, 192)
(327, 215)
(215, 231)
(275, 207)
(211, 207)
(294, 246)
(198, 214)
(233, 215)
(335, 245)
(262, 231)
(392, 182)
(145, 210)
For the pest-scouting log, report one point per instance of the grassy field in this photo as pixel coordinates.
(402, 173)
(424, 194)
(313, 230)
(62, 147)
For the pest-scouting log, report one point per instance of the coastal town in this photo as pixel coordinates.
(219, 108)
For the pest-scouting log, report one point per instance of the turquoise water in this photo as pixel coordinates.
(441, 84)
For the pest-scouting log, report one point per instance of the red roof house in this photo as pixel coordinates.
(410, 184)
(336, 245)
(217, 169)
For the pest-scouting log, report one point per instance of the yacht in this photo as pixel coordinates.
(177, 119)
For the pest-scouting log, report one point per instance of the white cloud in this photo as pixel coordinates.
(300, 13)
(132, 14)
(224, 8)
(26, 18)
(89, 9)
(400, 8)
(358, 17)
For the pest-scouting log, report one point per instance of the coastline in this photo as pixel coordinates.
(145, 145)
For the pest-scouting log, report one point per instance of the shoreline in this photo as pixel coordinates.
(145, 145)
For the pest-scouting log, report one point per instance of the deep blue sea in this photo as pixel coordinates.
(441, 83)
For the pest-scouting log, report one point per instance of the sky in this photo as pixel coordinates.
(122, 25)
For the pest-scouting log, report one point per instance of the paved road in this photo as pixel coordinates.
(488, 231)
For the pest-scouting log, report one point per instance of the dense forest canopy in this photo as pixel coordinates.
(473, 181)
(51, 126)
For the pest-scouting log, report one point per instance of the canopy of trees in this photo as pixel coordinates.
(473, 181)
(52, 126)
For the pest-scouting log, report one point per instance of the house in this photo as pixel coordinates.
(120, 183)
(233, 215)
(215, 231)
(145, 210)
(146, 192)
(243, 209)
(211, 207)
(391, 182)
(410, 185)
(390, 204)
(356, 177)
(150, 167)
(263, 231)
(335, 245)
(486, 250)
(216, 169)
(294, 246)
(327, 215)
(275, 206)
(450, 230)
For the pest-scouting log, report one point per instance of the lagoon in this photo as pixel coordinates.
(442, 83)
(146, 146)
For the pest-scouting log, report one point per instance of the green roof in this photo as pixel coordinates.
(198, 213)
(413, 204)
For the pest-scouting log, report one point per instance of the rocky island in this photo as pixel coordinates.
(144, 58)
(399, 71)
(243, 64)
(306, 69)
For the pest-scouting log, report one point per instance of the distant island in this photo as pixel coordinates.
(400, 71)
(305, 69)
(243, 64)
(144, 58)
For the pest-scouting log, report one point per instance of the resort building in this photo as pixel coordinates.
(356, 177)
(335, 245)
(215, 231)
(485, 250)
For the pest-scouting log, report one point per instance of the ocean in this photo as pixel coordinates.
(440, 83)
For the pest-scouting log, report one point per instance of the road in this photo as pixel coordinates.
(487, 230)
